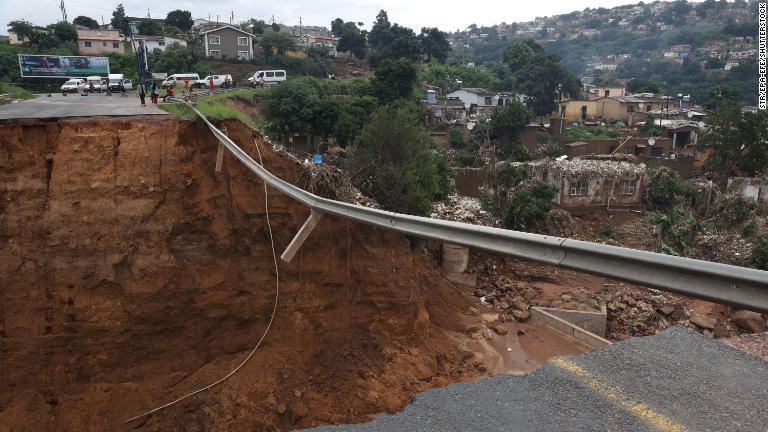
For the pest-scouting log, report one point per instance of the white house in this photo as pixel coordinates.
(161, 42)
(328, 42)
(482, 100)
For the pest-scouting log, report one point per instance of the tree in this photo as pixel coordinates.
(22, 29)
(254, 26)
(354, 113)
(120, 21)
(507, 123)
(539, 75)
(394, 79)
(352, 40)
(337, 27)
(149, 27)
(528, 206)
(379, 33)
(395, 161)
(293, 106)
(85, 21)
(738, 140)
(434, 43)
(177, 57)
(180, 19)
(275, 43)
(642, 85)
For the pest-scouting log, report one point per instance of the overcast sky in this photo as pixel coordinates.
(448, 15)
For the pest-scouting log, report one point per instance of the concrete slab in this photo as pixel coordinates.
(74, 105)
(590, 339)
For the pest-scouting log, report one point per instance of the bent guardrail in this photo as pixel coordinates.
(721, 283)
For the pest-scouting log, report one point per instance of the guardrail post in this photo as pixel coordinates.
(301, 236)
(220, 154)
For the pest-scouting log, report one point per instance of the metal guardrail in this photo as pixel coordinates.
(721, 283)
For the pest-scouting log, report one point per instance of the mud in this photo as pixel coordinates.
(132, 273)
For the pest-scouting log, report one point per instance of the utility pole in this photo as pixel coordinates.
(306, 43)
(63, 11)
(231, 17)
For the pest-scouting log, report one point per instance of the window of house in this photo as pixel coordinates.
(104, 43)
(115, 44)
(578, 188)
(607, 93)
(488, 100)
(630, 108)
(628, 187)
(243, 54)
(214, 40)
(242, 41)
(88, 44)
(214, 53)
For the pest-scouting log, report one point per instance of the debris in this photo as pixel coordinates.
(521, 316)
(750, 321)
(703, 321)
(463, 209)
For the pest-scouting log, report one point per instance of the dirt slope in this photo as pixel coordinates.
(132, 273)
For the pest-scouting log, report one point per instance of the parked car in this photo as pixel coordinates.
(73, 86)
(116, 79)
(219, 80)
(267, 77)
(178, 80)
(93, 84)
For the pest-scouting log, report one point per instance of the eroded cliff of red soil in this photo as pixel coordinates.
(132, 273)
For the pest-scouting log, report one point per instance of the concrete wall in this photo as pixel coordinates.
(600, 192)
(755, 189)
(469, 180)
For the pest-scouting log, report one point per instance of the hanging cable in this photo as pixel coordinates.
(269, 325)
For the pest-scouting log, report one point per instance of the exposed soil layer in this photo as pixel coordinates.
(133, 273)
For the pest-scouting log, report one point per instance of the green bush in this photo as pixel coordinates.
(749, 229)
(606, 232)
(760, 253)
(510, 175)
(456, 138)
(665, 188)
(731, 210)
(528, 206)
(396, 162)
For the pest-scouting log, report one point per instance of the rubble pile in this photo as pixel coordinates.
(463, 209)
(583, 168)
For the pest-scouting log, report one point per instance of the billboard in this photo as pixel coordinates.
(54, 66)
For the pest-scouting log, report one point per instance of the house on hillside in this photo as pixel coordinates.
(227, 42)
(590, 183)
(99, 41)
(160, 42)
(628, 109)
(479, 100)
(596, 92)
(328, 42)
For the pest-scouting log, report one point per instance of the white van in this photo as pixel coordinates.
(116, 79)
(177, 80)
(267, 77)
(93, 83)
(219, 80)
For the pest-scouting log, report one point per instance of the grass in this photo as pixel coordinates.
(217, 107)
(14, 92)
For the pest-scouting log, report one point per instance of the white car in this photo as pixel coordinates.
(94, 84)
(218, 80)
(73, 86)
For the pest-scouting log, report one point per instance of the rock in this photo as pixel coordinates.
(750, 321)
(281, 408)
(521, 333)
(487, 333)
(482, 368)
(504, 305)
(631, 301)
(621, 306)
(521, 315)
(565, 297)
(297, 393)
(703, 321)
(502, 318)
(500, 329)
(474, 311)
(520, 304)
(665, 310)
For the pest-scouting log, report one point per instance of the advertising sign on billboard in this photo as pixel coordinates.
(53, 66)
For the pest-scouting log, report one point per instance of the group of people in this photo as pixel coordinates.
(154, 92)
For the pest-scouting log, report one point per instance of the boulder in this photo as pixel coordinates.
(521, 315)
(703, 321)
(750, 321)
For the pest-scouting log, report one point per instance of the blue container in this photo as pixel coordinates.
(318, 159)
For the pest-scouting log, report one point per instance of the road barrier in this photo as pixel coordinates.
(721, 283)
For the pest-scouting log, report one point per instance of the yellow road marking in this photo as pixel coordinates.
(638, 409)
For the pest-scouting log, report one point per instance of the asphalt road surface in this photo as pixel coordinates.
(74, 105)
(674, 381)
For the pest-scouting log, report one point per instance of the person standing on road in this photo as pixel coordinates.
(154, 93)
(210, 91)
(142, 94)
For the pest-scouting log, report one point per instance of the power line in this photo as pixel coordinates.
(38, 10)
